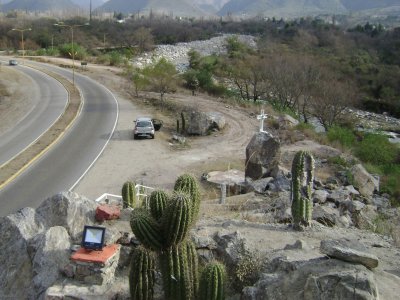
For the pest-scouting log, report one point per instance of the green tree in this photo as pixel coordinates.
(161, 77)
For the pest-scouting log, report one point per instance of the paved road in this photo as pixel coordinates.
(61, 167)
(49, 99)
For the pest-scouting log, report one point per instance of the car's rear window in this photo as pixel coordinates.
(143, 124)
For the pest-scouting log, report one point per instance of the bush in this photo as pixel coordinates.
(343, 135)
(376, 149)
(66, 51)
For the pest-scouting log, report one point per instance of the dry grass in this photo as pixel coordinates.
(3, 90)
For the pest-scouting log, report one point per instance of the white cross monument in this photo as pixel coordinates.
(262, 117)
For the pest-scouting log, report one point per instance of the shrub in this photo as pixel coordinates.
(343, 135)
(376, 149)
(66, 51)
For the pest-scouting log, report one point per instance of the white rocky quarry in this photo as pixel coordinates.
(177, 54)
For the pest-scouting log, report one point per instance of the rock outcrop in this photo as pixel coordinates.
(35, 243)
(262, 156)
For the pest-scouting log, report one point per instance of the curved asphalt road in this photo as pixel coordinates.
(49, 99)
(61, 167)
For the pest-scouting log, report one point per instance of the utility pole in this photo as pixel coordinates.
(90, 11)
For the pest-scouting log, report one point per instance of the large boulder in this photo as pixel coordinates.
(315, 279)
(201, 123)
(69, 210)
(52, 254)
(35, 243)
(262, 156)
(363, 181)
(16, 231)
(350, 252)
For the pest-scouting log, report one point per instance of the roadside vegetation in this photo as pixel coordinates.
(307, 68)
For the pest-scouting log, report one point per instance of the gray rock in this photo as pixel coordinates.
(201, 123)
(348, 252)
(320, 196)
(341, 285)
(51, 255)
(351, 206)
(352, 190)
(260, 185)
(69, 210)
(286, 122)
(325, 215)
(338, 196)
(381, 201)
(364, 182)
(315, 279)
(298, 245)
(16, 231)
(280, 184)
(365, 219)
(230, 247)
(262, 156)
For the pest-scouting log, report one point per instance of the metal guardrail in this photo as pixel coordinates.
(142, 192)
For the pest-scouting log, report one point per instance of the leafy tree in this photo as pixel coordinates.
(161, 77)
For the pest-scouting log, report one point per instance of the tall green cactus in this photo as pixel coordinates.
(177, 217)
(212, 282)
(164, 227)
(158, 201)
(301, 189)
(146, 229)
(176, 273)
(141, 275)
(128, 194)
(188, 184)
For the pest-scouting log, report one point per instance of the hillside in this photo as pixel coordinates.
(293, 8)
(39, 5)
(177, 7)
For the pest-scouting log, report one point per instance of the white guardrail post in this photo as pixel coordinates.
(142, 192)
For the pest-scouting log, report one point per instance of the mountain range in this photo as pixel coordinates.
(277, 8)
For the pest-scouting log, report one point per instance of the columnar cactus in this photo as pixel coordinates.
(157, 203)
(176, 220)
(177, 275)
(301, 189)
(141, 276)
(146, 229)
(128, 194)
(188, 184)
(164, 227)
(212, 282)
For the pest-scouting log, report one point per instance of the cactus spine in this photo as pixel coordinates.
(188, 184)
(158, 201)
(212, 282)
(128, 194)
(146, 229)
(301, 189)
(141, 275)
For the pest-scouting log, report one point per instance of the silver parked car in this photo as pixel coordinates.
(143, 127)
